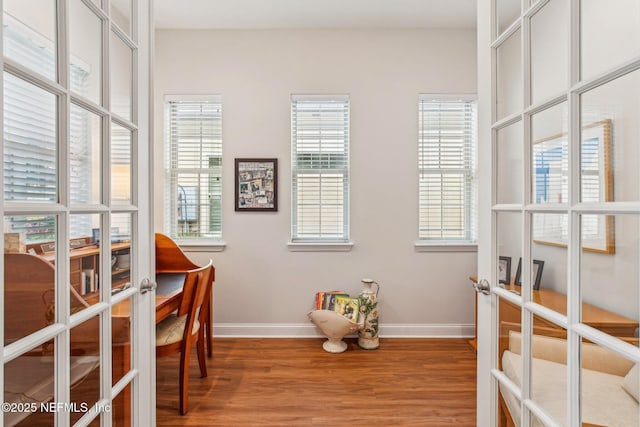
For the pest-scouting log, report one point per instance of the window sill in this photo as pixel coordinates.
(445, 247)
(320, 246)
(201, 245)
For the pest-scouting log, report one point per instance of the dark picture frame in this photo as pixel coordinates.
(256, 183)
(504, 270)
(537, 266)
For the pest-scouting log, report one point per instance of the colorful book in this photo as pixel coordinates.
(319, 298)
(348, 306)
(329, 300)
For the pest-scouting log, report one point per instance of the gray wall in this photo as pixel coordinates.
(262, 288)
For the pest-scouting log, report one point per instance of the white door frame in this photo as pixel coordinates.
(486, 388)
(145, 359)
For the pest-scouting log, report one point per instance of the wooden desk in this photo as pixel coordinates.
(168, 296)
(168, 293)
(596, 317)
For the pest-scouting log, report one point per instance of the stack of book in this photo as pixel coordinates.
(339, 302)
(89, 281)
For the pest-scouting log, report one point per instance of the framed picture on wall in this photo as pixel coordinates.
(550, 185)
(256, 183)
(536, 273)
(504, 270)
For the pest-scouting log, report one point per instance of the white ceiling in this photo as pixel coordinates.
(298, 14)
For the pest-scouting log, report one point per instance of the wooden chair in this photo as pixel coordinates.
(171, 259)
(177, 332)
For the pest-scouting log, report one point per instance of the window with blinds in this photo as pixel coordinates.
(320, 168)
(193, 143)
(447, 163)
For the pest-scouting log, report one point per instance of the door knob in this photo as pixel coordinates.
(147, 285)
(482, 287)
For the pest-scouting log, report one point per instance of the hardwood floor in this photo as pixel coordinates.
(293, 382)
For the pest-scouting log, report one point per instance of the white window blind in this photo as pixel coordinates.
(320, 168)
(447, 162)
(30, 136)
(193, 199)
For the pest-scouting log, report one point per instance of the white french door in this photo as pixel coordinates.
(78, 325)
(559, 91)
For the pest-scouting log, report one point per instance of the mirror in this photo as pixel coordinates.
(550, 182)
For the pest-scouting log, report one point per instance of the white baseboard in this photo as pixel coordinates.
(301, 330)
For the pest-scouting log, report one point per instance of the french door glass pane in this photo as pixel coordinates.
(121, 224)
(85, 354)
(30, 142)
(121, 410)
(29, 299)
(606, 387)
(508, 407)
(609, 282)
(609, 141)
(85, 40)
(121, 14)
(550, 155)
(549, 370)
(550, 233)
(509, 158)
(609, 34)
(509, 355)
(30, 38)
(535, 421)
(121, 77)
(85, 156)
(550, 50)
(84, 262)
(29, 380)
(509, 244)
(507, 11)
(120, 164)
(121, 339)
(509, 76)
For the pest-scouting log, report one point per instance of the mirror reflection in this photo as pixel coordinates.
(29, 283)
(609, 387)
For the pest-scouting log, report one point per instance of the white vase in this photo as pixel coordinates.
(368, 333)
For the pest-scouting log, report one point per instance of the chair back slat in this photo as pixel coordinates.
(195, 287)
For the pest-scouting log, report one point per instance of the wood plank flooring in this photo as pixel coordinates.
(293, 382)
